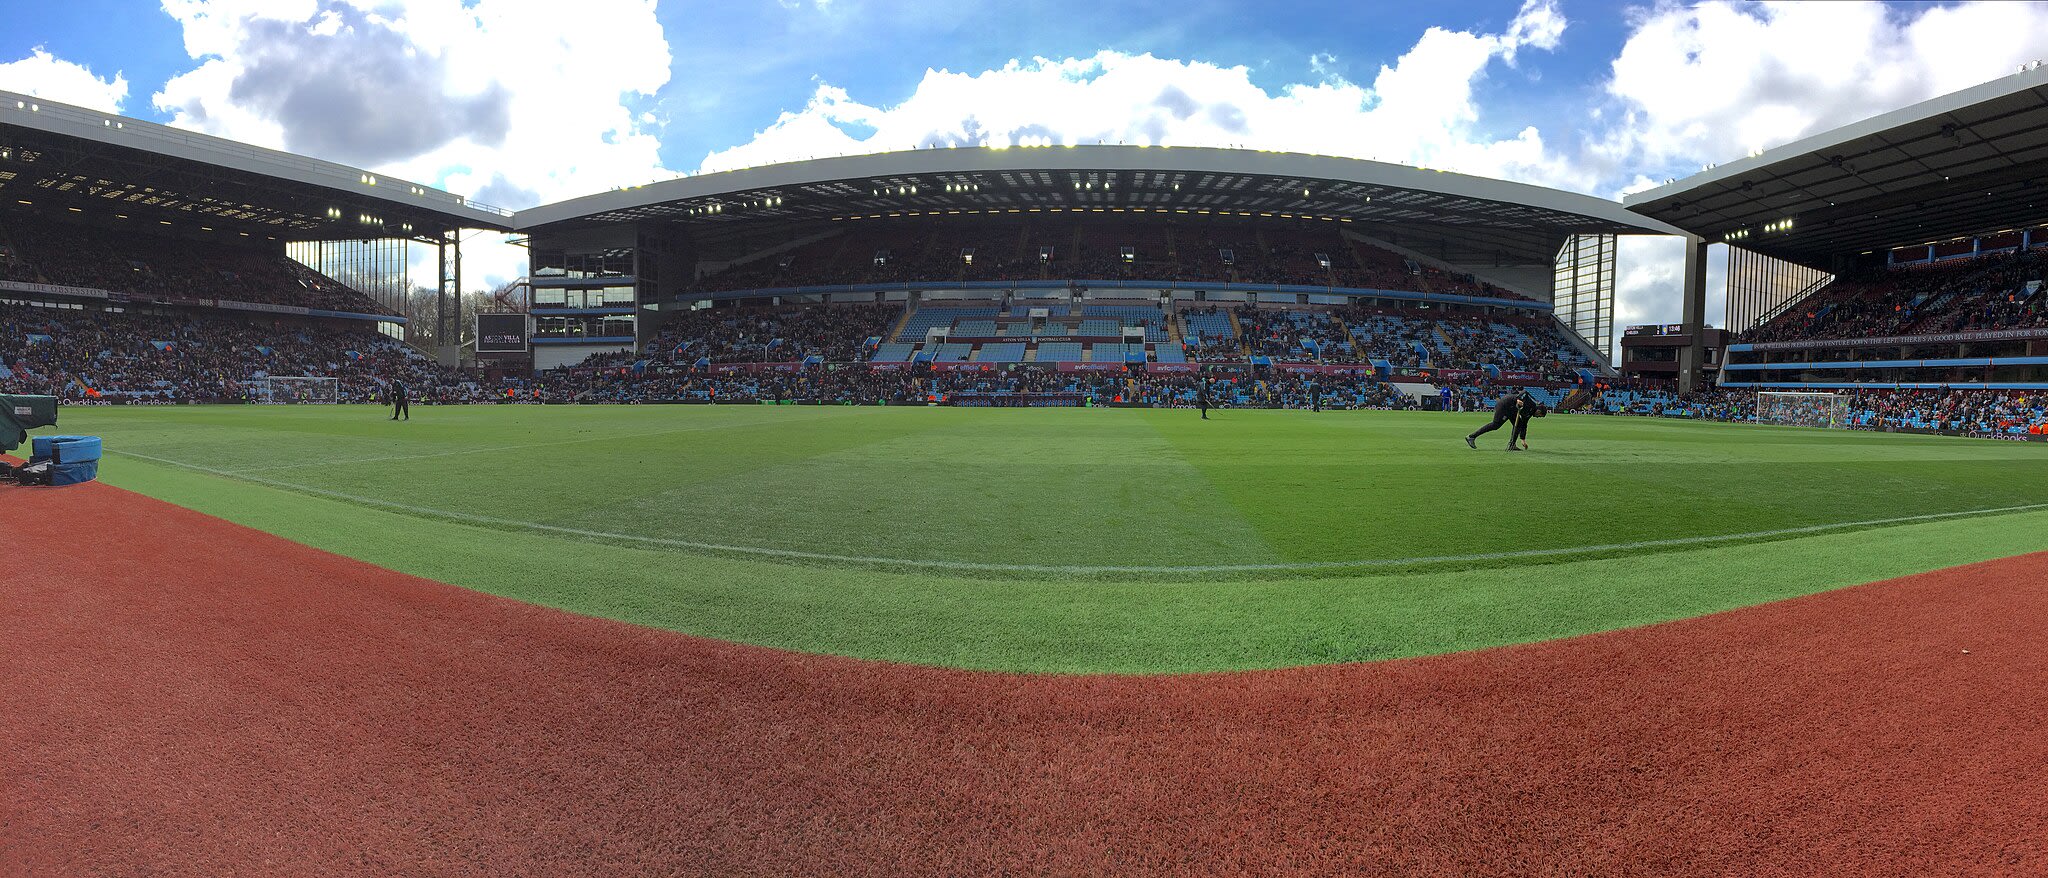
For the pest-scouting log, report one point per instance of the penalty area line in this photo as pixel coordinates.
(1076, 569)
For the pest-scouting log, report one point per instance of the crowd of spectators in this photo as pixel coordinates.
(835, 334)
(1013, 385)
(85, 356)
(1977, 412)
(156, 267)
(1403, 339)
(195, 356)
(1970, 411)
(1993, 292)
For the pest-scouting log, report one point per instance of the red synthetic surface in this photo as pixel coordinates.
(182, 696)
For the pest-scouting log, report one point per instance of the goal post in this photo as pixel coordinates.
(1802, 409)
(301, 390)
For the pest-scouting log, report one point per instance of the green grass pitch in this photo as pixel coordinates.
(1091, 540)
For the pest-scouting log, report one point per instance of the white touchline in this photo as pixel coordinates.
(1077, 569)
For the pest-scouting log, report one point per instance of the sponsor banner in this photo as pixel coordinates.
(52, 289)
(887, 367)
(255, 306)
(957, 338)
(963, 367)
(1015, 399)
(1326, 368)
(1173, 368)
(1940, 338)
(1091, 367)
(754, 368)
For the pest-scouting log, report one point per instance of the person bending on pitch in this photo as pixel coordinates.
(398, 404)
(1202, 398)
(1526, 407)
(1503, 413)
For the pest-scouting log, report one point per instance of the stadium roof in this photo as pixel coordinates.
(1456, 217)
(106, 166)
(1971, 162)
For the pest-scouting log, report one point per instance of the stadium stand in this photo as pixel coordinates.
(1995, 292)
(906, 250)
(196, 356)
(149, 266)
(834, 334)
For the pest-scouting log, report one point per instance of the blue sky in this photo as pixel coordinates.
(779, 50)
(736, 66)
(517, 102)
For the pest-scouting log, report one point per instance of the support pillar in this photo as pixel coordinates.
(432, 341)
(448, 300)
(1692, 357)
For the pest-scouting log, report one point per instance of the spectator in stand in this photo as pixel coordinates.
(148, 266)
(1995, 292)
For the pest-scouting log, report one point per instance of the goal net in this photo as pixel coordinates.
(301, 390)
(1802, 409)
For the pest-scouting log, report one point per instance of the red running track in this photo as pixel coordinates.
(188, 697)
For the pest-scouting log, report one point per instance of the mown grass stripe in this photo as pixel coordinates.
(1088, 569)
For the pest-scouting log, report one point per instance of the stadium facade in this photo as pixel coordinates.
(1553, 250)
(1023, 242)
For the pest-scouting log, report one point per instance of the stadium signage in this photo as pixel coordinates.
(957, 338)
(266, 308)
(52, 289)
(749, 368)
(1325, 368)
(1940, 338)
(501, 333)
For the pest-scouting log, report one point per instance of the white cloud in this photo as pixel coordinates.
(517, 103)
(1420, 110)
(508, 102)
(1712, 82)
(48, 76)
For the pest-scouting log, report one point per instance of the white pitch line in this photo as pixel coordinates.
(1083, 569)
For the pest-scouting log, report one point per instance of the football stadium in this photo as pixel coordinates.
(1086, 509)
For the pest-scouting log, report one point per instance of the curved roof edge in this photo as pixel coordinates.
(113, 129)
(1097, 157)
(2008, 84)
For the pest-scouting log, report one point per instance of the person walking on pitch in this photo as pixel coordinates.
(399, 406)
